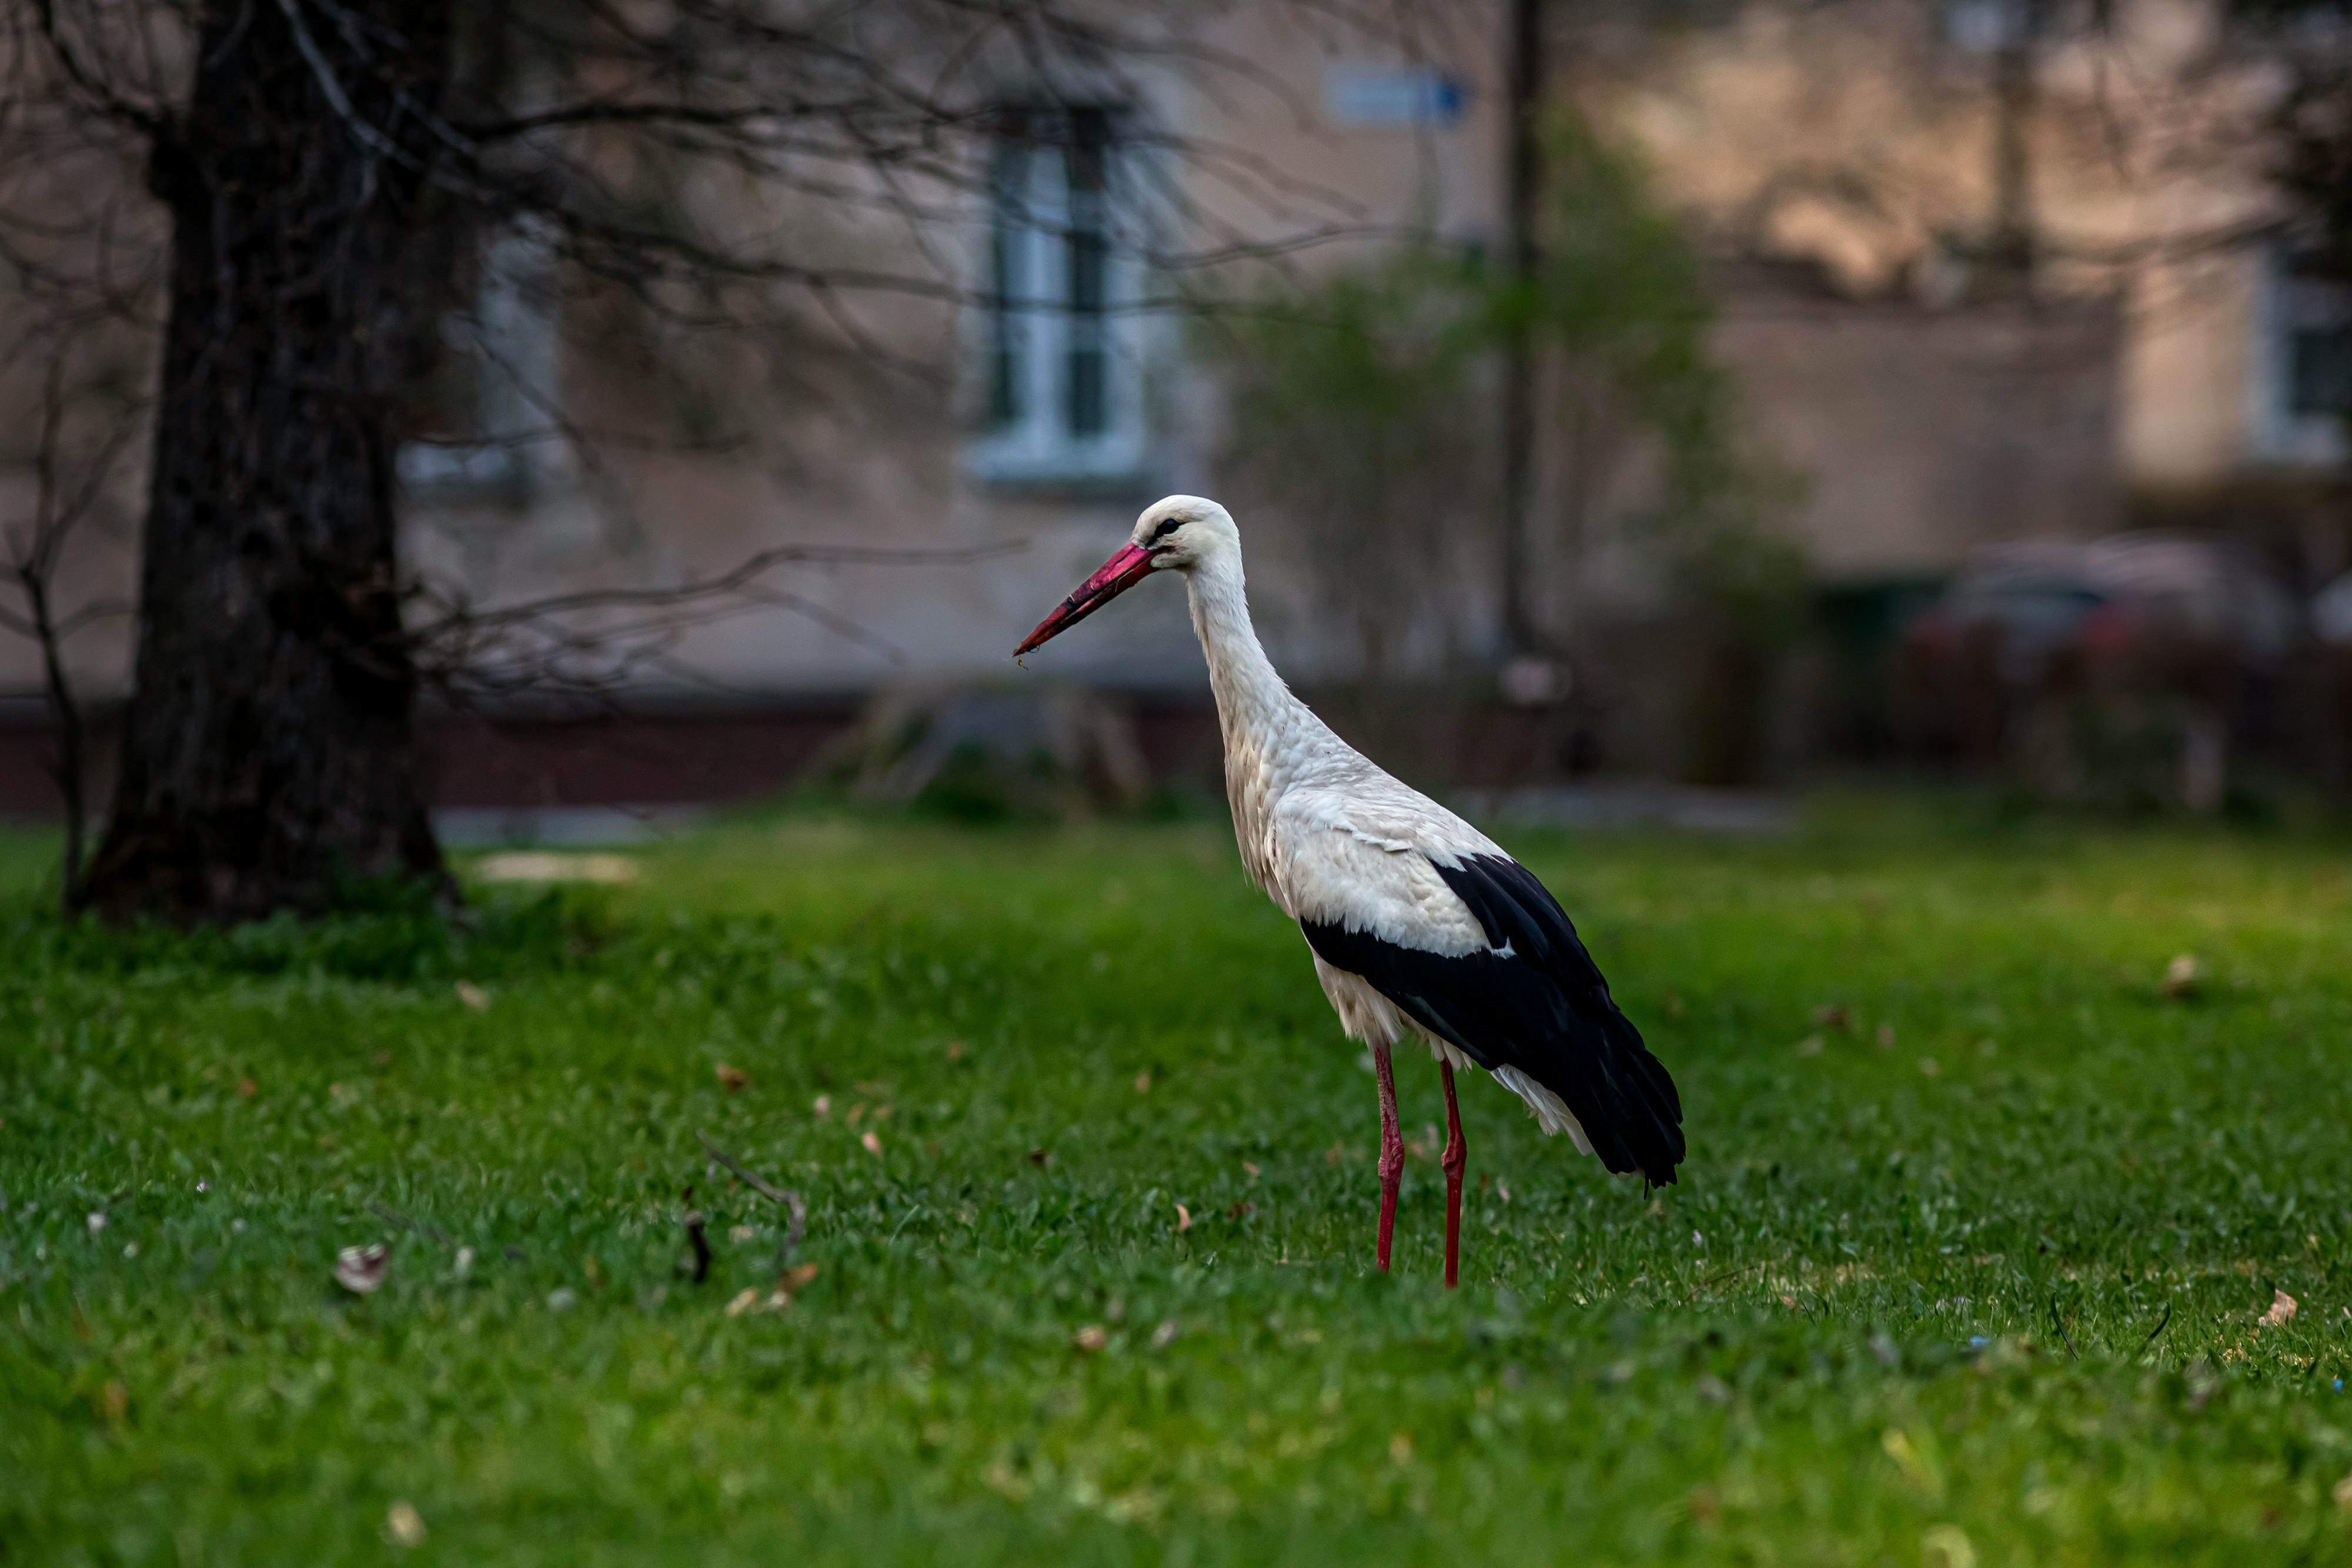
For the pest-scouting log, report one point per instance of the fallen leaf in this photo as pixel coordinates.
(1143, 1083)
(1810, 1046)
(1946, 1546)
(1250, 1168)
(882, 1113)
(1038, 1158)
(2282, 1308)
(247, 1088)
(1091, 1338)
(472, 995)
(1829, 1016)
(1790, 1302)
(822, 1104)
(1240, 1210)
(745, 1300)
(732, 1078)
(873, 1145)
(741, 1233)
(797, 1276)
(2183, 976)
(403, 1525)
(857, 1113)
(360, 1270)
(1165, 1334)
(1183, 1219)
(955, 1049)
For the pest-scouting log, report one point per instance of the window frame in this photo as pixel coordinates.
(1038, 340)
(511, 329)
(2285, 305)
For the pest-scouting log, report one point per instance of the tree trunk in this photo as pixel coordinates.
(268, 751)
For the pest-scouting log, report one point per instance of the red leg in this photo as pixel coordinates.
(1456, 1155)
(1391, 1148)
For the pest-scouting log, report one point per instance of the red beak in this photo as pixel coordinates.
(1123, 571)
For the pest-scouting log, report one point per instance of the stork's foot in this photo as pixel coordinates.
(1456, 1155)
(1392, 1150)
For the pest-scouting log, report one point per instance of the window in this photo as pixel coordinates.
(483, 413)
(1065, 345)
(2302, 359)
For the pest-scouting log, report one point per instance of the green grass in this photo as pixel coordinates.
(2006, 1312)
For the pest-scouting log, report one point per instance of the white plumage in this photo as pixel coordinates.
(1421, 925)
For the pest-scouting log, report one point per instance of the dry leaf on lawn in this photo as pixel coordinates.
(2182, 976)
(360, 1270)
(403, 1525)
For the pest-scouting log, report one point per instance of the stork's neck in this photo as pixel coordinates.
(1251, 697)
(1271, 737)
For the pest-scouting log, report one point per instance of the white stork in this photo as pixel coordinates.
(1420, 924)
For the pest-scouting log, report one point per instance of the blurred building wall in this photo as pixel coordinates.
(1836, 156)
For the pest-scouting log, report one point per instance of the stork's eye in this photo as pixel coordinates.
(1168, 526)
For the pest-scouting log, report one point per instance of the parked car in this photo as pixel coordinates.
(2117, 669)
(2152, 595)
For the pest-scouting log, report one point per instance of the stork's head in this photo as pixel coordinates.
(1179, 533)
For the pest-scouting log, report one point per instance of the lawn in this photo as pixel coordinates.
(1967, 1266)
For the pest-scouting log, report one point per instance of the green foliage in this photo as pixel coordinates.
(2014, 1299)
(1357, 408)
(1623, 295)
(1364, 402)
(1620, 291)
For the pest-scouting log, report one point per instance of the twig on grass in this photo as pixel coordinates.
(789, 1198)
(2060, 1324)
(1722, 1274)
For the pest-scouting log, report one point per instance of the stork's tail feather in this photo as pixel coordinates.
(1585, 1050)
(1639, 1115)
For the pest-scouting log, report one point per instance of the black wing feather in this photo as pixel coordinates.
(1544, 1010)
